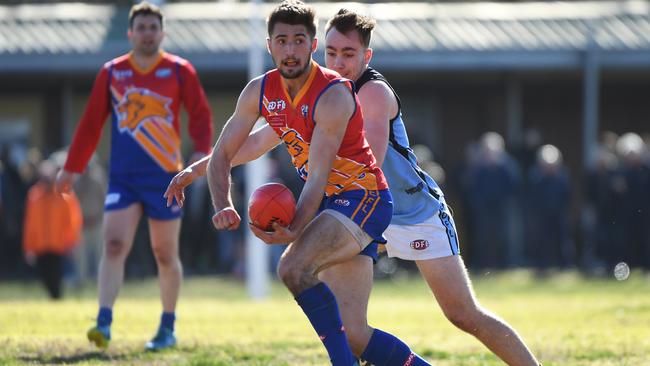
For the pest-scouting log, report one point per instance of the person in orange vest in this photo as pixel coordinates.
(52, 228)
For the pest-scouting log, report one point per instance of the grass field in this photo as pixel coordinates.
(565, 319)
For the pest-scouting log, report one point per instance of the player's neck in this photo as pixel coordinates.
(360, 74)
(294, 85)
(144, 61)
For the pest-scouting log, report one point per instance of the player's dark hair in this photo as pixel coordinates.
(145, 8)
(347, 20)
(293, 12)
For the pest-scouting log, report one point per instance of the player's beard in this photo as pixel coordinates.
(295, 73)
(149, 49)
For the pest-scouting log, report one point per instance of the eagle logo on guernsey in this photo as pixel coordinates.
(139, 105)
(147, 117)
(419, 244)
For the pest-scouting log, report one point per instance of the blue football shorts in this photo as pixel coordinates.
(371, 210)
(147, 189)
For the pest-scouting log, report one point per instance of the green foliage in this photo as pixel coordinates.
(565, 318)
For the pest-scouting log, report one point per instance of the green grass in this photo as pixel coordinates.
(565, 319)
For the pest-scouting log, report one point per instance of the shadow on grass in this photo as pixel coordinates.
(72, 359)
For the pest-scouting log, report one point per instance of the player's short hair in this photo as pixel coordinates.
(145, 8)
(347, 20)
(293, 12)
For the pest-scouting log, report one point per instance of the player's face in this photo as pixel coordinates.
(291, 48)
(146, 34)
(345, 53)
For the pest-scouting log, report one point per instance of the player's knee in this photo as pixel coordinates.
(297, 276)
(464, 317)
(165, 255)
(115, 248)
(288, 272)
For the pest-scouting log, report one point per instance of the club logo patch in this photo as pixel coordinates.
(419, 244)
(305, 110)
(122, 74)
(342, 202)
(276, 106)
(163, 73)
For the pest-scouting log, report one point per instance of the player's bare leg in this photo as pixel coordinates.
(323, 243)
(352, 297)
(326, 242)
(366, 342)
(451, 286)
(119, 231)
(119, 228)
(164, 242)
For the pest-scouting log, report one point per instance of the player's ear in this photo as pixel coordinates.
(268, 45)
(367, 55)
(129, 33)
(314, 45)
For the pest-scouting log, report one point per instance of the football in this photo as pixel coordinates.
(269, 203)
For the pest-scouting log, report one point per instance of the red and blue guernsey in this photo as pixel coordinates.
(354, 167)
(356, 186)
(144, 105)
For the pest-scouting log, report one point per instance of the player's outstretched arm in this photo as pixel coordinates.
(332, 113)
(230, 140)
(176, 187)
(379, 105)
(257, 144)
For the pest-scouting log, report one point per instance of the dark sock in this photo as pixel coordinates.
(319, 304)
(104, 317)
(387, 350)
(167, 320)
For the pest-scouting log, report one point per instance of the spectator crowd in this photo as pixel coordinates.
(513, 207)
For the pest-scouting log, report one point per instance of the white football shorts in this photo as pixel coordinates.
(435, 237)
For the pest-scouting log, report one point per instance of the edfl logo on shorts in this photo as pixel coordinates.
(420, 244)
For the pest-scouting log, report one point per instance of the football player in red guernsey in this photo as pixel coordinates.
(345, 204)
(143, 91)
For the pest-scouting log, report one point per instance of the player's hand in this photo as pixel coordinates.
(64, 181)
(226, 219)
(279, 235)
(176, 187)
